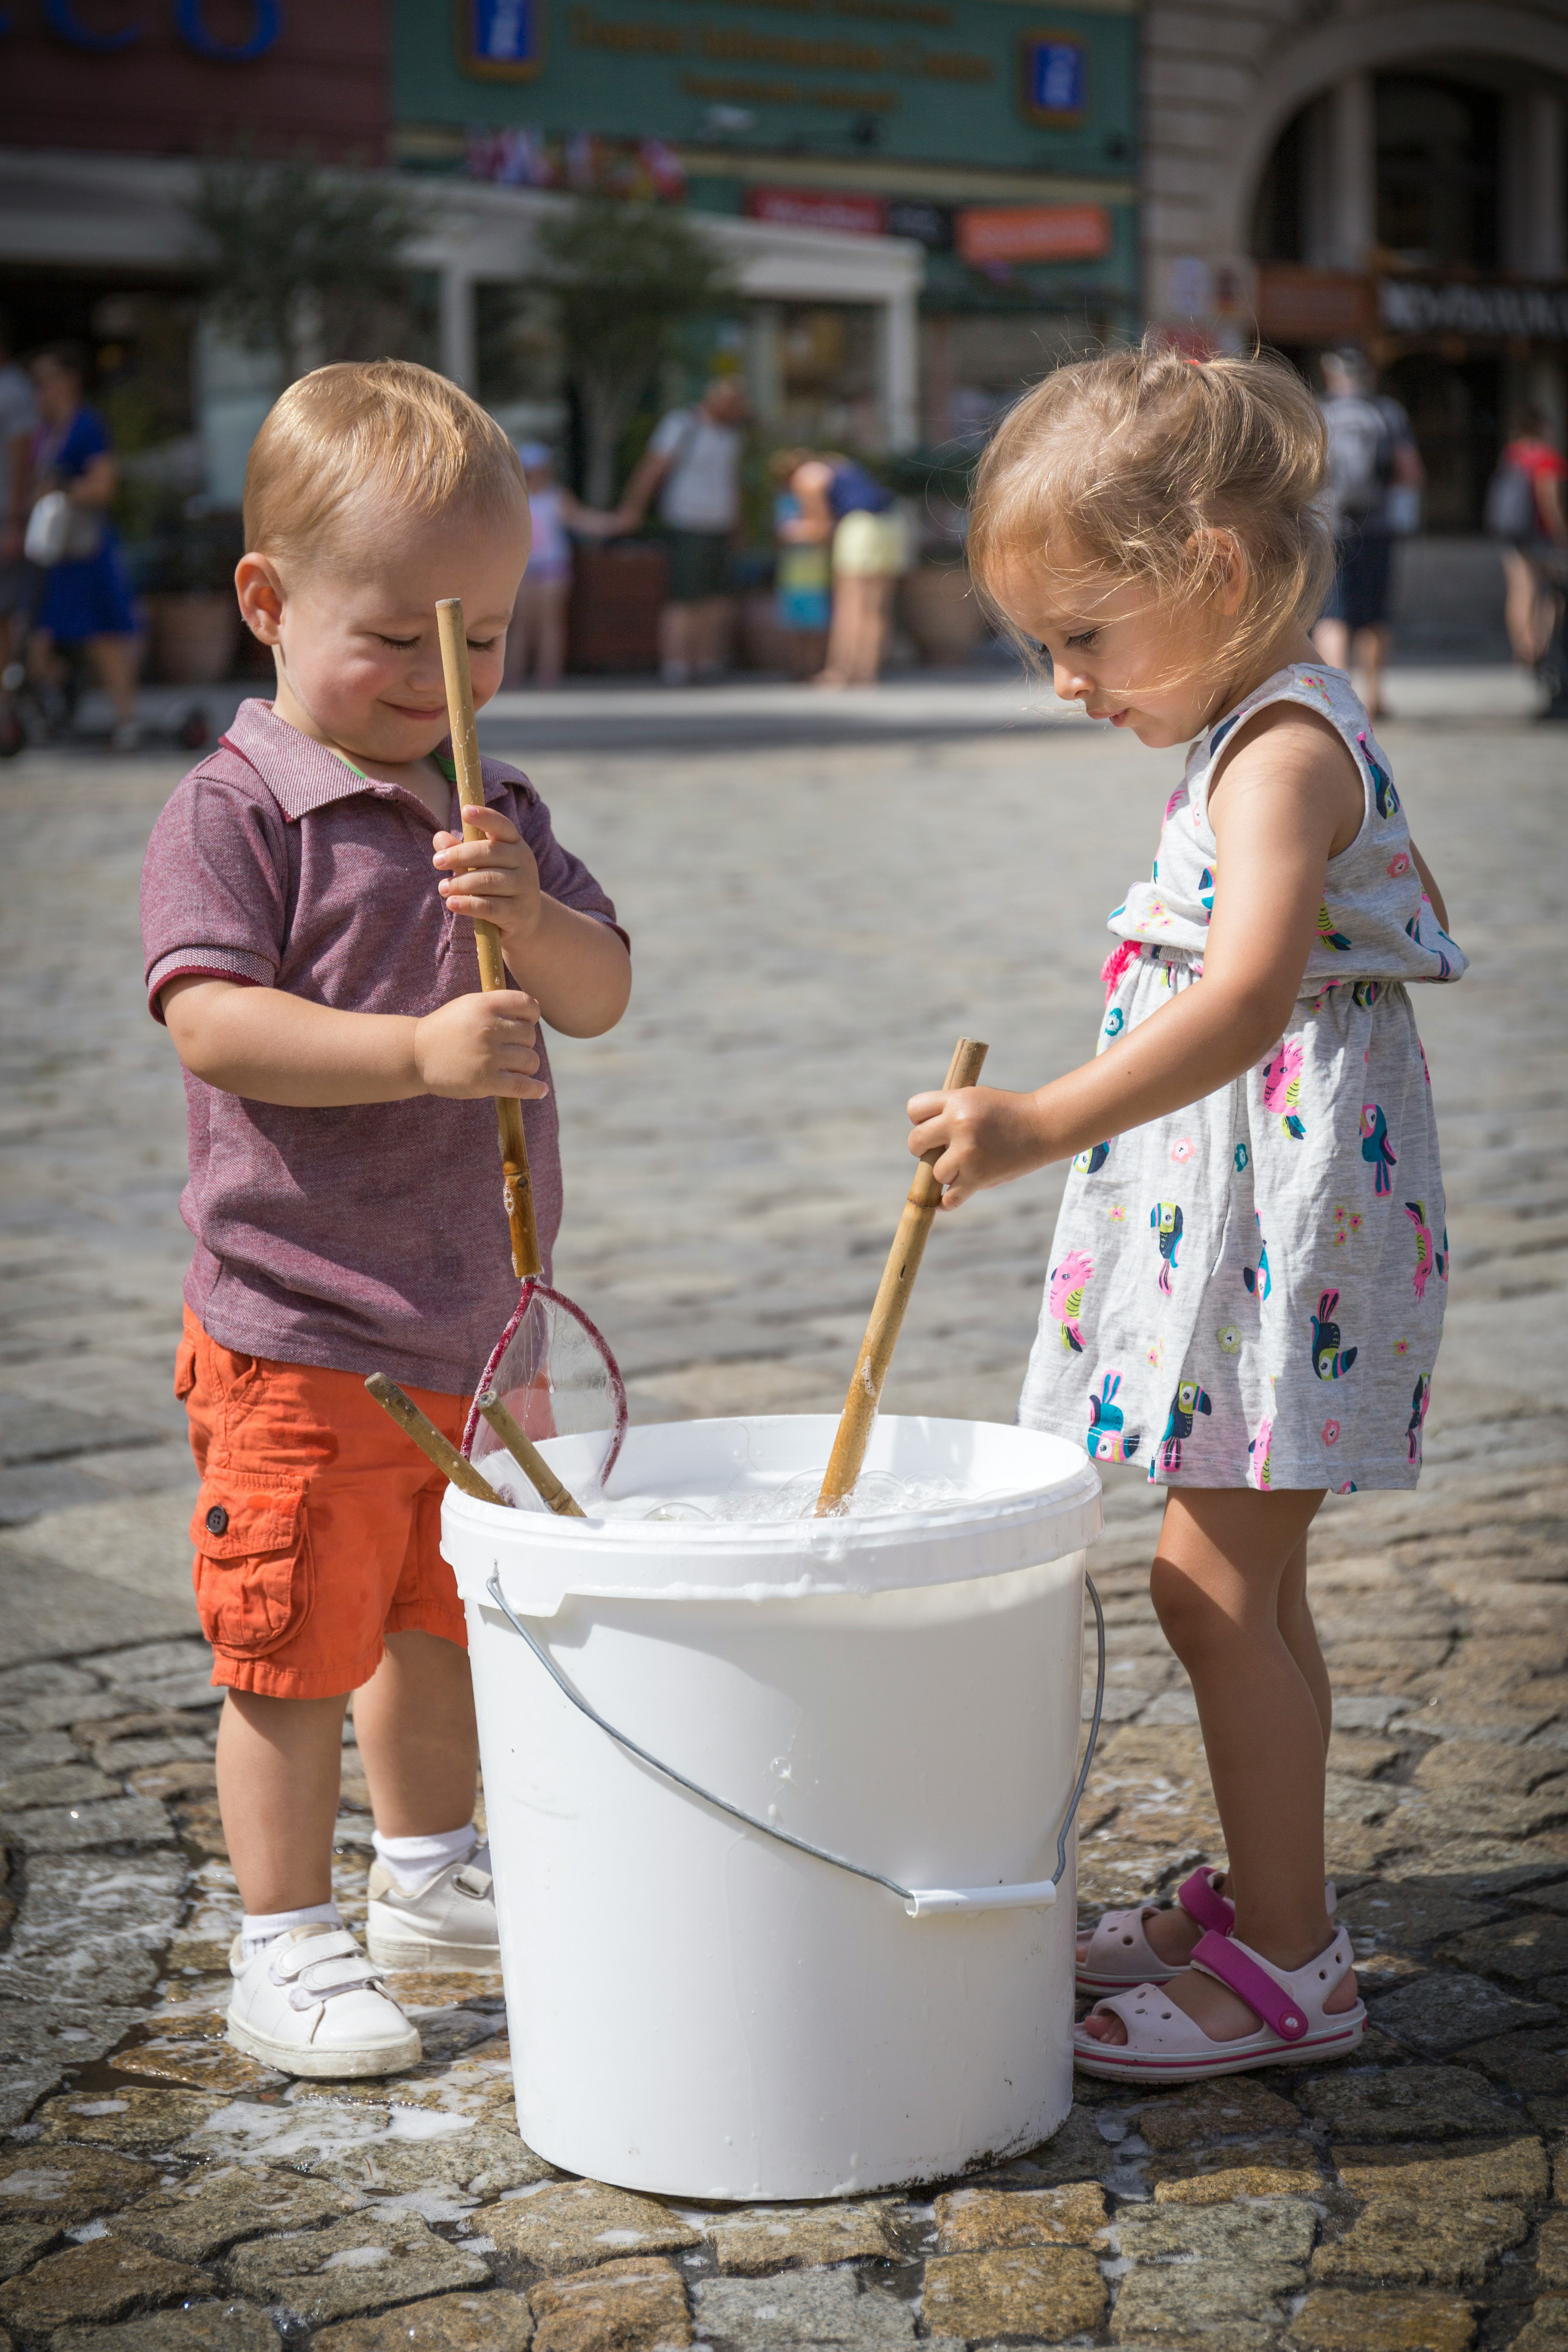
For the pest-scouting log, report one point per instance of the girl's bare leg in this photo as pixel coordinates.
(1228, 1559)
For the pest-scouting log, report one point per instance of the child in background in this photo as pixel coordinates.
(307, 905)
(536, 649)
(1249, 1274)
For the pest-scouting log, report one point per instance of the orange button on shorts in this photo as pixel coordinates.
(318, 1525)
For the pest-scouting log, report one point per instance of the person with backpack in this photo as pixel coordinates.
(870, 549)
(1525, 513)
(1373, 469)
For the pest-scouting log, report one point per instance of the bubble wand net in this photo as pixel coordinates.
(552, 1368)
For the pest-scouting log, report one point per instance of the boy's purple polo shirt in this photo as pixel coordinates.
(371, 1238)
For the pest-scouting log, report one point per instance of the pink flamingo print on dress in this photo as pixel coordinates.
(1258, 1469)
(1068, 1282)
(1283, 1085)
(1425, 1249)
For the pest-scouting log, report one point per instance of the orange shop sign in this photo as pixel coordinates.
(991, 233)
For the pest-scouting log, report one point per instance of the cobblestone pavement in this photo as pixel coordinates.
(812, 929)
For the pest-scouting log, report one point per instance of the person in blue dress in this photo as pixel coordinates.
(86, 600)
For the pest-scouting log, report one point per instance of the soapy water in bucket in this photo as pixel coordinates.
(876, 1493)
(553, 1371)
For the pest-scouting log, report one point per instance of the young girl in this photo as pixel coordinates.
(1247, 1280)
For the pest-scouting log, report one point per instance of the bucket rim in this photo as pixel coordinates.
(953, 1542)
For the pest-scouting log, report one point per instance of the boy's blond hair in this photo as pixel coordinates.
(1125, 466)
(401, 433)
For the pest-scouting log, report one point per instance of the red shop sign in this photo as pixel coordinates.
(819, 208)
(1033, 232)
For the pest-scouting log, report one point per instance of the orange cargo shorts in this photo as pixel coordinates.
(318, 1527)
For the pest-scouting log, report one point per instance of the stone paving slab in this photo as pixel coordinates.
(1402, 2203)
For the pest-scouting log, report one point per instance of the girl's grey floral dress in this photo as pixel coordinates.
(1250, 1291)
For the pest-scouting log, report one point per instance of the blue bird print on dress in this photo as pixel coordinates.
(1091, 1162)
(1188, 1401)
(1110, 1439)
(1257, 1278)
(1221, 731)
(1206, 890)
(1375, 1147)
(1418, 1404)
(1441, 1259)
(1383, 792)
(1329, 1360)
(1366, 994)
(1166, 1217)
(1115, 1022)
(1328, 934)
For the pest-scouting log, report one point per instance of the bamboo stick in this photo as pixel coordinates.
(430, 1440)
(859, 1413)
(529, 1459)
(518, 1188)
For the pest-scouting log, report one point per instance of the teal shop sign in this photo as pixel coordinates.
(992, 83)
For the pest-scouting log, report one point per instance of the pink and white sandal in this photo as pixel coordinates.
(1163, 2045)
(1119, 1955)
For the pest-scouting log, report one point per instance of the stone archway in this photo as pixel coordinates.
(1318, 60)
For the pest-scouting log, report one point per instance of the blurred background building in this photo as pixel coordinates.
(1380, 173)
(921, 203)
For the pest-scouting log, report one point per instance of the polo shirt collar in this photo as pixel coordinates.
(303, 775)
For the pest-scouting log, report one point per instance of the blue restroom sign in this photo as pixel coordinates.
(502, 40)
(1055, 79)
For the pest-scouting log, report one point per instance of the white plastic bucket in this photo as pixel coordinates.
(696, 2009)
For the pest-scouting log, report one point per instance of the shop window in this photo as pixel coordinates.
(976, 363)
(1280, 213)
(827, 375)
(1437, 147)
(1454, 410)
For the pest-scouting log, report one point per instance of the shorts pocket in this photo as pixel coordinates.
(185, 1370)
(254, 1577)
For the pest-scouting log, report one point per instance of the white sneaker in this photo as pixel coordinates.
(310, 2004)
(449, 1921)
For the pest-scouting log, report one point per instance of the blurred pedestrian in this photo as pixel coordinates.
(694, 464)
(803, 526)
(18, 578)
(1373, 459)
(536, 642)
(870, 550)
(1525, 511)
(86, 597)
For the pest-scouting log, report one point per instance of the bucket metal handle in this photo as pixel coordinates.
(920, 1902)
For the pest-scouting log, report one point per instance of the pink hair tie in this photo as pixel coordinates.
(1125, 952)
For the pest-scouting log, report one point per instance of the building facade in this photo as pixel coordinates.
(1324, 171)
(994, 141)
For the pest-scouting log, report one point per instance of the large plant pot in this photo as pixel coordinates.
(193, 638)
(612, 621)
(938, 606)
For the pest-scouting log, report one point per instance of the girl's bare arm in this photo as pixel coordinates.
(1289, 799)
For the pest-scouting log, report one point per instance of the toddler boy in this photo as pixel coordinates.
(322, 989)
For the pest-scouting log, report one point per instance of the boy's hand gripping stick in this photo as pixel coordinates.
(526, 1263)
(848, 1455)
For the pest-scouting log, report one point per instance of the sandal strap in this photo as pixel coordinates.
(1271, 1991)
(1198, 1899)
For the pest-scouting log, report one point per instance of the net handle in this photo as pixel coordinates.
(858, 1417)
(526, 1262)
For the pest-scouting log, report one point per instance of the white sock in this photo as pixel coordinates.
(412, 1860)
(260, 1928)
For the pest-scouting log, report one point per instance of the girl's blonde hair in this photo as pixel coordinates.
(405, 435)
(1125, 466)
